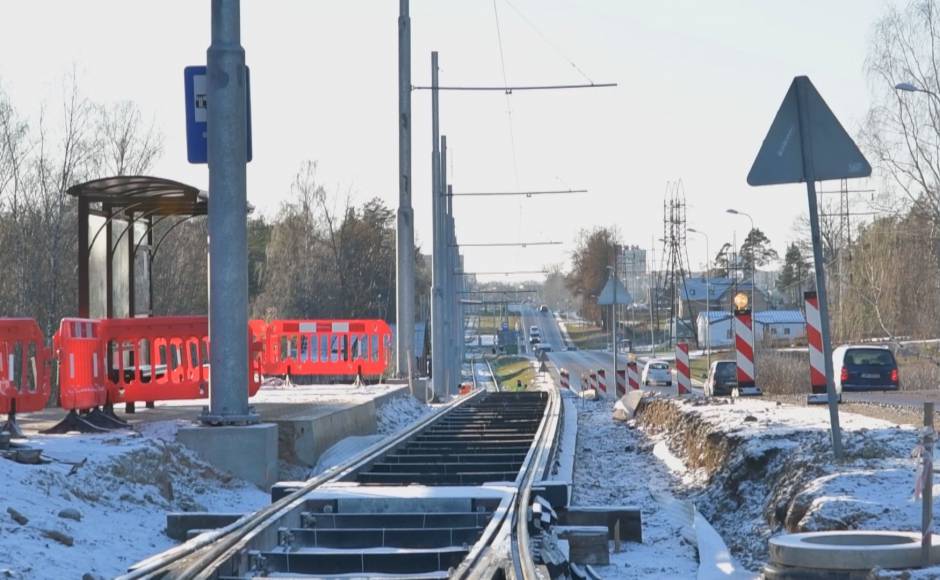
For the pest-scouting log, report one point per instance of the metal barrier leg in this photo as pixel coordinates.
(106, 419)
(151, 405)
(74, 422)
(130, 408)
(11, 426)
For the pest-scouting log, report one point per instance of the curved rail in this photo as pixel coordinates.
(201, 557)
(195, 558)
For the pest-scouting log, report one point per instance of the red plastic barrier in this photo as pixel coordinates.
(327, 347)
(81, 364)
(163, 358)
(24, 366)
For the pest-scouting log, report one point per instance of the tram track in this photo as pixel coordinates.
(448, 497)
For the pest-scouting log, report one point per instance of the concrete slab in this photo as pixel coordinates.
(246, 451)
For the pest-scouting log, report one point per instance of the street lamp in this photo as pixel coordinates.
(912, 88)
(753, 260)
(708, 320)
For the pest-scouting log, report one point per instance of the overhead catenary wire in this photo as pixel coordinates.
(548, 41)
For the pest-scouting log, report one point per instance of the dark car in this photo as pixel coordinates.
(722, 378)
(865, 368)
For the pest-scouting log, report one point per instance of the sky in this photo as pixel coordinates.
(698, 86)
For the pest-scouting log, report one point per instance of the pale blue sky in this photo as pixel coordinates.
(699, 85)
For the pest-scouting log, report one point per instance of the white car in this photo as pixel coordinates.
(656, 372)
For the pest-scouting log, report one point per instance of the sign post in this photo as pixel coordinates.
(807, 143)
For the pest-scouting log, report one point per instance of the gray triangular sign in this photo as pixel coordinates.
(543, 368)
(543, 357)
(834, 154)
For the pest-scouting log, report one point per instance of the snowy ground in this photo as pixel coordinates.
(122, 487)
(614, 466)
(778, 475)
(124, 484)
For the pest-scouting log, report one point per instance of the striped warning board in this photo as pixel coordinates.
(744, 352)
(633, 376)
(621, 382)
(602, 381)
(565, 379)
(817, 360)
(683, 377)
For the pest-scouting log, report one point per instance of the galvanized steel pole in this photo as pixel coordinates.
(448, 278)
(809, 175)
(228, 229)
(405, 286)
(438, 245)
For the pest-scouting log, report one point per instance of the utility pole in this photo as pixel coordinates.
(227, 135)
(405, 239)
(439, 247)
(448, 281)
(613, 312)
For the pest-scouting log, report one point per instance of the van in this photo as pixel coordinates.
(864, 368)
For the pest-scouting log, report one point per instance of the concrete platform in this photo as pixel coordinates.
(307, 419)
(248, 452)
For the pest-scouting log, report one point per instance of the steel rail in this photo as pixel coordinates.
(200, 556)
(547, 439)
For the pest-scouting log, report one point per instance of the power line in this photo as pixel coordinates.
(505, 244)
(508, 89)
(525, 193)
(549, 42)
(502, 64)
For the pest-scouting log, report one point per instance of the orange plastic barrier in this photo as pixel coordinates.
(327, 347)
(163, 358)
(81, 364)
(24, 366)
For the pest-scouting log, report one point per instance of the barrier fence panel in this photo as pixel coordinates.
(80, 353)
(327, 347)
(24, 369)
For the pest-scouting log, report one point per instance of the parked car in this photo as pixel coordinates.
(864, 368)
(722, 378)
(656, 372)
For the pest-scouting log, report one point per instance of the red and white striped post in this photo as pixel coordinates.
(592, 380)
(744, 348)
(564, 379)
(602, 381)
(633, 376)
(621, 382)
(817, 361)
(683, 378)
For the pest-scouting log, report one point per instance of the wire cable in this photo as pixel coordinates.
(548, 41)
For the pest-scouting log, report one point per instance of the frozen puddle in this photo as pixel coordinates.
(614, 465)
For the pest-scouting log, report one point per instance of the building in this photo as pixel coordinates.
(772, 326)
(631, 268)
(721, 292)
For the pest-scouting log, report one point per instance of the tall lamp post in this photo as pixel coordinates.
(753, 261)
(708, 320)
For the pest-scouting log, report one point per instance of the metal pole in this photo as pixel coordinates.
(438, 245)
(708, 322)
(448, 279)
(405, 239)
(613, 313)
(228, 230)
(927, 506)
(809, 176)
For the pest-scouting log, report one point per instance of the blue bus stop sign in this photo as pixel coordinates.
(196, 86)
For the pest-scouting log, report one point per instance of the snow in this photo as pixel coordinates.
(399, 412)
(613, 466)
(123, 489)
(275, 390)
(780, 475)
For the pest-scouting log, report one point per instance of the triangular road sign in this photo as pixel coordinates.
(606, 296)
(833, 153)
(543, 368)
(543, 356)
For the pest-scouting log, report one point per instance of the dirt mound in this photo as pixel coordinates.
(756, 482)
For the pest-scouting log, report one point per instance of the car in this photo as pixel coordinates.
(542, 347)
(543, 308)
(864, 368)
(534, 331)
(656, 372)
(722, 378)
(534, 339)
